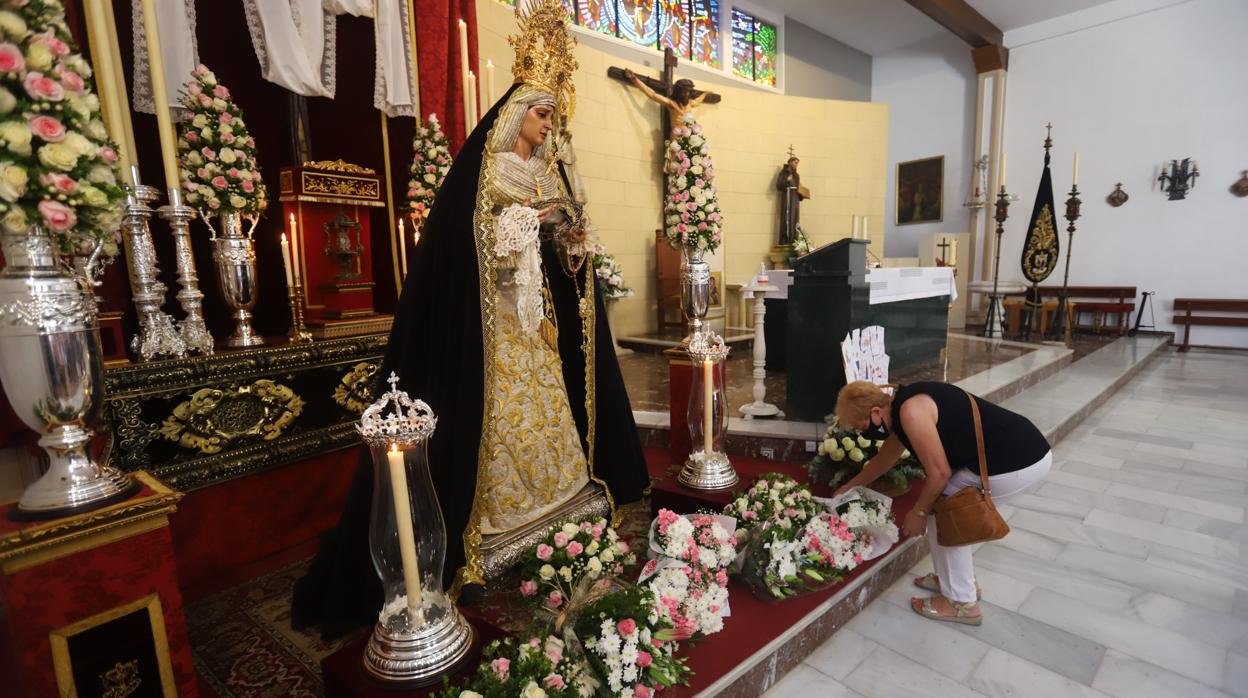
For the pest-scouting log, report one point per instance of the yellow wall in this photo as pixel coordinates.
(842, 145)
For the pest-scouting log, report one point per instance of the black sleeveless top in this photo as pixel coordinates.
(1011, 441)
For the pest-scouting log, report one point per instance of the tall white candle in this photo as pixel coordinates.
(472, 97)
(160, 97)
(953, 253)
(290, 281)
(865, 235)
(463, 70)
(708, 405)
(407, 537)
(294, 248)
(489, 82)
(402, 249)
(1075, 180)
(853, 233)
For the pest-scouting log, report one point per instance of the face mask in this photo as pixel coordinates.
(875, 432)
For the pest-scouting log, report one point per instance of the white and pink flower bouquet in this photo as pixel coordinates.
(630, 646)
(431, 160)
(691, 214)
(535, 668)
(573, 563)
(218, 155)
(58, 168)
(869, 515)
(795, 545)
(688, 574)
(610, 274)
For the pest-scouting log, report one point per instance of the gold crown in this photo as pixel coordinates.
(544, 51)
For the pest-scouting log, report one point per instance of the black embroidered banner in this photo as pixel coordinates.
(1040, 249)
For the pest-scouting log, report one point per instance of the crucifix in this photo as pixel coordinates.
(677, 97)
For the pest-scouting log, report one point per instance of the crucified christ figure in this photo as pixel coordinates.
(679, 106)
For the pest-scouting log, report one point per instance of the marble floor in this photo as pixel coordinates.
(1125, 575)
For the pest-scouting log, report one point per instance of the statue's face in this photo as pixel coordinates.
(537, 124)
(793, 164)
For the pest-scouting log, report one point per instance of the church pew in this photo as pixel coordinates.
(1214, 305)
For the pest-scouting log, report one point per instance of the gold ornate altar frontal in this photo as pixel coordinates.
(331, 182)
(206, 419)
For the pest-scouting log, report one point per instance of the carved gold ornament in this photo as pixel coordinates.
(544, 52)
(355, 390)
(341, 186)
(122, 680)
(215, 419)
(338, 165)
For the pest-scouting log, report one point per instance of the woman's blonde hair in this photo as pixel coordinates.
(856, 399)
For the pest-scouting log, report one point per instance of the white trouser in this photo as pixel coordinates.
(953, 564)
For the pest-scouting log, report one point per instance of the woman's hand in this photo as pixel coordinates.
(914, 525)
(544, 213)
(844, 488)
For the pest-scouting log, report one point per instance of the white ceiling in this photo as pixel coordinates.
(879, 26)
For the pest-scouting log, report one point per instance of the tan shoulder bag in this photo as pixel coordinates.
(968, 515)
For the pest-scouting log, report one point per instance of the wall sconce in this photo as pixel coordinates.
(976, 199)
(1180, 179)
(1117, 197)
(1240, 187)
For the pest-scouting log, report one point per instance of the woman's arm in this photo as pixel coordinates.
(874, 469)
(918, 418)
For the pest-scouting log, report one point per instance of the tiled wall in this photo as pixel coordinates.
(842, 144)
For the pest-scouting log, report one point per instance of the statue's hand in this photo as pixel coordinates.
(628, 73)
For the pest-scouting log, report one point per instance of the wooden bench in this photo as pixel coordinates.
(1099, 301)
(1212, 305)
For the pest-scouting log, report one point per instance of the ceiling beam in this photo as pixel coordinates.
(962, 20)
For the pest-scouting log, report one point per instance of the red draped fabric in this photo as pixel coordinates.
(437, 48)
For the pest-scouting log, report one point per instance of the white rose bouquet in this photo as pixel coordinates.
(431, 160)
(610, 274)
(218, 155)
(691, 212)
(57, 165)
(843, 452)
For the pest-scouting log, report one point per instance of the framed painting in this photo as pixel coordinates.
(717, 298)
(921, 190)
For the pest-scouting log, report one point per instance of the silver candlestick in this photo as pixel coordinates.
(707, 467)
(157, 336)
(192, 328)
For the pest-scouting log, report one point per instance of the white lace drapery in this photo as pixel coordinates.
(175, 20)
(516, 246)
(295, 42)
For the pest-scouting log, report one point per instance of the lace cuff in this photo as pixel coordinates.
(517, 230)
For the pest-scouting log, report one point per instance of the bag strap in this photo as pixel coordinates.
(979, 443)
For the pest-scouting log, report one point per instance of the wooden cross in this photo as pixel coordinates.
(944, 249)
(664, 86)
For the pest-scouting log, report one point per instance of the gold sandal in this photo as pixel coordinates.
(961, 611)
(930, 582)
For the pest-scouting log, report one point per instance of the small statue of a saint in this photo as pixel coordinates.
(792, 193)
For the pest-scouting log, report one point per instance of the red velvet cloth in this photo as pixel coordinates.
(754, 622)
(54, 594)
(437, 49)
(223, 527)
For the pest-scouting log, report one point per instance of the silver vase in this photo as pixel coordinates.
(234, 253)
(695, 289)
(51, 371)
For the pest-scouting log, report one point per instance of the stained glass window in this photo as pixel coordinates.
(598, 15)
(674, 26)
(742, 44)
(639, 21)
(704, 23)
(764, 53)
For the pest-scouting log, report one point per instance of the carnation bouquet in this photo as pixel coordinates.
(219, 171)
(610, 275)
(58, 168)
(843, 453)
(431, 160)
(631, 648)
(571, 565)
(868, 514)
(795, 545)
(688, 575)
(535, 668)
(691, 207)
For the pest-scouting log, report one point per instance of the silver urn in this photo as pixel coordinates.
(234, 253)
(51, 371)
(695, 289)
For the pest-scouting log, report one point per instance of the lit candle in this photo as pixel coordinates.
(489, 81)
(463, 69)
(708, 405)
(402, 249)
(294, 248)
(290, 279)
(1075, 180)
(160, 97)
(407, 537)
(472, 98)
(1003, 169)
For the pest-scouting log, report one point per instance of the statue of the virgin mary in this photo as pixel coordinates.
(499, 328)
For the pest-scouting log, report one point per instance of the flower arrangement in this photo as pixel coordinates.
(688, 575)
(431, 160)
(795, 545)
(630, 647)
(843, 452)
(691, 206)
(218, 155)
(798, 248)
(610, 275)
(533, 669)
(872, 521)
(57, 165)
(560, 570)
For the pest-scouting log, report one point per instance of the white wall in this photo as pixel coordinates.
(930, 91)
(1128, 95)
